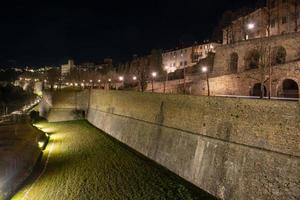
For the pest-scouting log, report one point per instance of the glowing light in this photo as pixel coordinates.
(154, 74)
(41, 144)
(121, 78)
(251, 26)
(76, 84)
(204, 69)
(99, 81)
(134, 78)
(109, 80)
(82, 84)
(91, 81)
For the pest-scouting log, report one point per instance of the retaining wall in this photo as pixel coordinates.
(233, 148)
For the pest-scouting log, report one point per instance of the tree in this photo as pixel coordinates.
(261, 57)
(295, 13)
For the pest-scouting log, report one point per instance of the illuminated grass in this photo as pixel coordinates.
(87, 164)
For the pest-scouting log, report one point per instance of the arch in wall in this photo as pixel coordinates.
(290, 88)
(256, 90)
(278, 55)
(252, 59)
(233, 63)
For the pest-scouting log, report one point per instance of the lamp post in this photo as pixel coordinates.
(99, 83)
(153, 76)
(109, 81)
(205, 70)
(121, 79)
(91, 83)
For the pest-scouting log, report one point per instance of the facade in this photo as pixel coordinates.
(66, 68)
(276, 18)
(173, 60)
(236, 71)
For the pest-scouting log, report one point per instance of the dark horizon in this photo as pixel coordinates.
(38, 34)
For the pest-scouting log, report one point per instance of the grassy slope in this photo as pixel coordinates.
(87, 164)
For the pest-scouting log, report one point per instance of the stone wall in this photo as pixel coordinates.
(64, 105)
(243, 83)
(291, 43)
(232, 148)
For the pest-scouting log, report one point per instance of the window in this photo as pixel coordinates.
(284, 20)
(273, 22)
(185, 63)
(181, 63)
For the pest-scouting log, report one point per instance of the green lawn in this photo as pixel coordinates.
(85, 163)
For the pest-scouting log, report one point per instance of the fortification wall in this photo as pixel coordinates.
(291, 43)
(232, 148)
(243, 83)
(64, 105)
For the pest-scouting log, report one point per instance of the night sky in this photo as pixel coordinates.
(48, 33)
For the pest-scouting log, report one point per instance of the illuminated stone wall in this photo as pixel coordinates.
(232, 148)
(64, 105)
(243, 83)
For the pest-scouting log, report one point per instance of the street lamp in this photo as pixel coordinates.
(205, 70)
(134, 78)
(121, 79)
(251, 26)
(99, 81)
(109, 81)
(154, 74)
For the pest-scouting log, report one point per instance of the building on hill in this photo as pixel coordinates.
(277, 17)
(180, 58)
(66, 68)
(239, 68)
